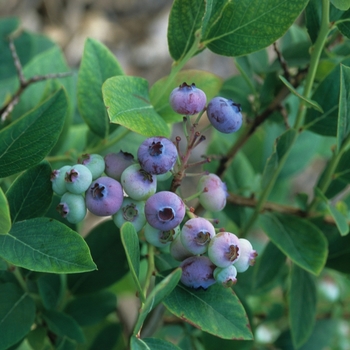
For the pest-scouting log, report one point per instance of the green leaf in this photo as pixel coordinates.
(131, 246)
(5, 218)
(269, 169)
(30, 195)
(46, 245)
(159, 344)
(184, 20)
(341, 4)
(239, 27)
(344, 106)
(160, 291)
(63, 325)
(297, 238)
(108, 254)
(51, 289)
(308, 102)
(29, 139)
(17, 314)
(107, 338)
(128, 104)
(216, 310)
(97, 65)
(302, 305)
(284, 142)
(344, 24)
(138, 344)
(208, 82)
(90, 309)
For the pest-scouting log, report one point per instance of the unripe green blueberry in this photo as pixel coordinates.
(94, 162)
(159, 238)
(78, 179)
(226, 276)
(72, 207)
(57, 179)
(131, 211)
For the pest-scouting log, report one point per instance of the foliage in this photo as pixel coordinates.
(59, 290)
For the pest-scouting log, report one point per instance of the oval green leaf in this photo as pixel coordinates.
(344, 106)
(128, 104)
(159, 344)
(46, 245)
(297, 238)
(5, 218)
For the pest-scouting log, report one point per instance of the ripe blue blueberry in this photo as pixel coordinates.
(104, 197)
(138, 183)
(196, 234)
(57, 179)
(78, 179)
(72, 207)
(157, 155)
(213, 192)
(225, 115)
(178, 251)
(247, 255)
(164, 210)
(94, 162)
(224, 249)
(197, 272)
(116, 163)
(159, 238)
(131, 211)
(187, 99)
(226, 276)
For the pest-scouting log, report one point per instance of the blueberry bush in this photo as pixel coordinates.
(170, 193)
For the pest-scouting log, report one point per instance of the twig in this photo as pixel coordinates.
(282, 62)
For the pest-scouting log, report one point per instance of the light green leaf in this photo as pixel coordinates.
(308, 102)
(28, 140)
(297, 238)
(97, 65)
(138, 344)
(131, 246)
(216, 310)
(159, 344)
(341, 4)
(302, 305)
(30, 194)
(5, 218)
(17, 314)
(344, 106)
(128, 104)
(239, 27)
(46, 245)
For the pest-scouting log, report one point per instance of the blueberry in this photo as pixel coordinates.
(226, 276)
(178, 251)
(104, 197)
(247, 255)
(131, 211)
(116, 163)
(213, 192)
(157, 155)
(138, 183)
(224, 249)
(197, 272)
(159, 238)
(225, 115)
(187, 99)
(94, 162)
(72, 207)
(78, 179)
(164, 210)
(196, 234)
(57, 179)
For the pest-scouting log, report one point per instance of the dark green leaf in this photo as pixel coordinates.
(159, 344)
(17, 313)
(28, 140)
(128, 104)
(36, 338)
(107, 338)
(341, 4)
(236, 28)
(90, 309)
(97, 65)
(46, 245)
(269, 170)
(344, 106)
(216, 310)
(30, 194)
(138, 344)
(63, 325)
(108, 254)
(344, 24)
(184, 20)
(302, 305)
(297, 238)
(5, 218)
(51, 289)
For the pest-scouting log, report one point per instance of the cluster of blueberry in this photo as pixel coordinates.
(119, 186)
